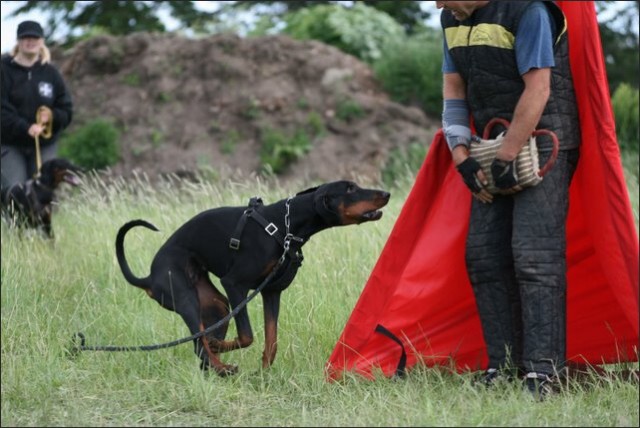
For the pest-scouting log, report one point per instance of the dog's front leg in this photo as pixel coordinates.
(243, 324)
(271, 303)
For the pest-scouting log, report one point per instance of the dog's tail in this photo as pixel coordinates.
(122, 261)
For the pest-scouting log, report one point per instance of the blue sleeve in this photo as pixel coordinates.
(447, 62)
(534, 39)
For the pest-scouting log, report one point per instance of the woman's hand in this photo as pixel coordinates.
(35, 130)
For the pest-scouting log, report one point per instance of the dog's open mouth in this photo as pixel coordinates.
(71, 178)
(372, 215)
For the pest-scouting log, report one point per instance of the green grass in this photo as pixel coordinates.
(50, 291)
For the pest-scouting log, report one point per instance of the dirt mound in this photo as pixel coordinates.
(186, 104)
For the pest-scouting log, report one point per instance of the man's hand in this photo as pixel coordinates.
(475, 179)
(505, 174)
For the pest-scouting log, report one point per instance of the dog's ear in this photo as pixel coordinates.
(75, 168)
(324, 201)
(68, 165)
(47, 170)
(321, 203)
(307, 191)
(49, 167)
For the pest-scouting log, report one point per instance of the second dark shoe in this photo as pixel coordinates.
(493, 376)
(539, 385)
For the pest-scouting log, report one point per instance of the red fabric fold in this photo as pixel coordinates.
(419, 288)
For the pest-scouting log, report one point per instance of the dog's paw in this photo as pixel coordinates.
(221, 369)
(226, 370)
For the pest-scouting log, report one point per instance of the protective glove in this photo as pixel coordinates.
(504, 173)
(469, 170)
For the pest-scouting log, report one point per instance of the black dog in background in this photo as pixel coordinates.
(30, 204)
(241, 246)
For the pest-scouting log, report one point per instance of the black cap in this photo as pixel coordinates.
(30, 29)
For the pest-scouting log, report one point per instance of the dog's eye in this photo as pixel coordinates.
(351, 188)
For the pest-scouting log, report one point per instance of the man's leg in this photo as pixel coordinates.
(490, 267)
(539, 248)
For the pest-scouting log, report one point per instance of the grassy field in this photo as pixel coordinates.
(52, 290)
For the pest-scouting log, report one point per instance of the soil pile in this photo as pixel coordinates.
(211, 103)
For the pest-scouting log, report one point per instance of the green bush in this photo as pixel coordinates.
(411, 71)
(625, 102)
(279, 150)
(361, 30)
(93, 146)
(348, 110)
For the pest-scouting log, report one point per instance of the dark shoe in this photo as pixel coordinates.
(493, 376)
(539, 385)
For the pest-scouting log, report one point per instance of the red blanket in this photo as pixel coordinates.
(419, 290)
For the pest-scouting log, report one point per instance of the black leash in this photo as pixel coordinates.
(77, 348)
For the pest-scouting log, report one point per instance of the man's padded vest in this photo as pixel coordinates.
(483, 50)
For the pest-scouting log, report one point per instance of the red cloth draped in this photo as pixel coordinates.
(419, 290)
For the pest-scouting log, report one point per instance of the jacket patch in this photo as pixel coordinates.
(45, 89)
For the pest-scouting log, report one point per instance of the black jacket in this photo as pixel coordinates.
(482, 48)
(24, 89)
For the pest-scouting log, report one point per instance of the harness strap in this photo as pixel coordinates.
(268, 227)
(251, 212)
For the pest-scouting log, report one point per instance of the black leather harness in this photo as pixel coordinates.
(294, 251)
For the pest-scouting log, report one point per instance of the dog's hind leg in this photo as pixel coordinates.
(177, 293)
(201, 345)
(214, 307)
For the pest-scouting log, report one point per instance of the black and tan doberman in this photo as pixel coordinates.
(241, 246)
(30, 204)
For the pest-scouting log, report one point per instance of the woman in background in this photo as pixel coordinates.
(35, 104)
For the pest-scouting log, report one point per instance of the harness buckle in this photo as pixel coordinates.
(271, 229)
(234, 243)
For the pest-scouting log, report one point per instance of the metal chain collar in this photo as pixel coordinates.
(287, 224)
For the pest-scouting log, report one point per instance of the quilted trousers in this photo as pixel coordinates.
(516, 261)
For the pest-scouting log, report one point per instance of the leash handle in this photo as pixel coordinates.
(38, 158)
(46, 132)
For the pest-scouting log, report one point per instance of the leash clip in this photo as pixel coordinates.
(271, 229)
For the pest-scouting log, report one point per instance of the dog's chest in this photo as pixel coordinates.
(284, 276)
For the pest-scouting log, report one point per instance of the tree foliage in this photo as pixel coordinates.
(619, 34)
(409, 14)
(115, 17)
(361, 31)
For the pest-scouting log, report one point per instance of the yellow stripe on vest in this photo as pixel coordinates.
(493, 35)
